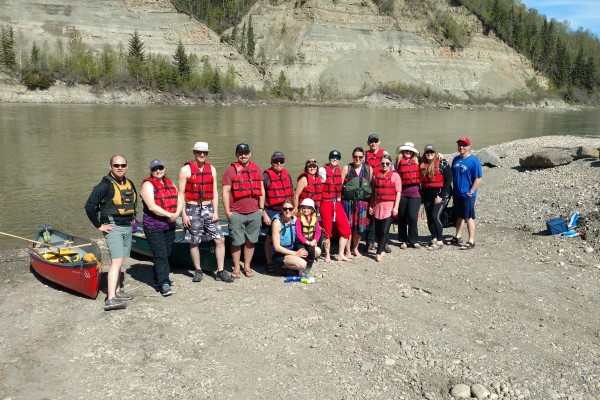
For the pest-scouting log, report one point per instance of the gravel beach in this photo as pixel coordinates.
(514, 318)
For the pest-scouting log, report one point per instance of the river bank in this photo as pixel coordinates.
(514, 318)
(12, 91)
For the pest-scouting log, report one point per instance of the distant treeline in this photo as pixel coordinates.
(120, 67)
(570, 59)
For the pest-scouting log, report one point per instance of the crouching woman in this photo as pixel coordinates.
(285, 240)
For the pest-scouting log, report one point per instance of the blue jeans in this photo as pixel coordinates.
(161, 244)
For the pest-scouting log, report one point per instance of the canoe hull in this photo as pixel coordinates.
(79, 276)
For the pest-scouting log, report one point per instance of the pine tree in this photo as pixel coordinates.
(562, 68)
(243, 38)
(34, 56)
(181, 61)
(234, 34)
(8, 44)
(135, 56)
(215, 85)
(251, 40)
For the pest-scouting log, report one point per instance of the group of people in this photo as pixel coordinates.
(360, 199)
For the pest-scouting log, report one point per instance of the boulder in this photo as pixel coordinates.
(584, 152)
(489, 158)
(502, 153)
(546, 159)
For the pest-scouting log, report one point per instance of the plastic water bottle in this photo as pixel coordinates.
(289, 279)
(572, 220)
(307, 280)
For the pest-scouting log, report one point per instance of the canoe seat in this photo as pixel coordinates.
(65, 256)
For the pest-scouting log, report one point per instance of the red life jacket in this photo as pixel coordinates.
(247, 182)
(280, 188)
(165, 195)
(313, 190)
(332, 187)
(200, 184)
(438, 178)
(409, 171)
(385, 190)
(374, 160)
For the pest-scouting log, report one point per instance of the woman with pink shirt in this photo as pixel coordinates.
(387, 186)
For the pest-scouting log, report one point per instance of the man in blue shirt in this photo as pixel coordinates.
(466, 177)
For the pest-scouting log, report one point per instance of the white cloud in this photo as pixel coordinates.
(579, 13)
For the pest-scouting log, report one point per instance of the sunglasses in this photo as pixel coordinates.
(278, 161)
(201, 153)
(335, 159)
(373, 141)
(386, 164)
(120, 165)
(430, 152)
(312, 166)
(156, 169)
(358, 157)
(463, 145)
(287, 208)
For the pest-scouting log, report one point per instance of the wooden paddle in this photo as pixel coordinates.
(22, 238)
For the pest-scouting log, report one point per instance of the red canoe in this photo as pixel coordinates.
(67, 260)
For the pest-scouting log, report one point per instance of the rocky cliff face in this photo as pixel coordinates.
(342, 46)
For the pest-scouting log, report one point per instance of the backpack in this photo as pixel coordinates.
(448, 215)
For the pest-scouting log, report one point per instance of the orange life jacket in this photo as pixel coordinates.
(247, 181)
(409, 171)
(385, 190)
(437, 181)
(199, 186)
(313, 190)
(280, 188)
(165, 194)
(332, 187)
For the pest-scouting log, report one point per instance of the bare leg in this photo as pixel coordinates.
(459, 227)
(114, 273)
(327, 246)
(236, 252)
(355, 243)
(248, 254)
(471, 229)
(220, 253)
(195, 256)
(342, 245)
(348, 250)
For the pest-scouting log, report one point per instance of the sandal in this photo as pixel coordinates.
(455, 241)
(235, 275)
(467, 246)
(248, 273)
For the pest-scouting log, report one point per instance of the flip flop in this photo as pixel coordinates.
(467, 246)
(235, 275)
(248, 273)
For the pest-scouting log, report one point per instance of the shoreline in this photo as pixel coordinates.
(11, 91)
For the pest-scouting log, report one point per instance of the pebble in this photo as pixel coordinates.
(552, 394)
(479, 391)
(367, 366)
(589, 249)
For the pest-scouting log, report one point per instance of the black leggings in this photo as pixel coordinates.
(434, 224)
(408, 214)
(382, 232)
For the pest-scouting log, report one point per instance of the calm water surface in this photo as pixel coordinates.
(53, 155)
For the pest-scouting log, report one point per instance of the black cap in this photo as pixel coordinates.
(373, 137)
(335, 154)
(277, 155)
(242, 148)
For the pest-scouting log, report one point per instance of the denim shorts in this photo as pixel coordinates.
(118, 241)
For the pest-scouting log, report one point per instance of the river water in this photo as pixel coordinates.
(53, 155)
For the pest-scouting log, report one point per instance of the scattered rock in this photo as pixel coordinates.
(489, 158)
(479, 391)
(584, 152)
(460, 391)
(546, 159)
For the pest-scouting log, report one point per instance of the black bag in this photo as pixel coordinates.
(448, 216)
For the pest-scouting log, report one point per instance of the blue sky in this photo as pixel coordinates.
(579, 13)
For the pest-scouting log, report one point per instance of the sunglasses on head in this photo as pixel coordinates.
(120, 165)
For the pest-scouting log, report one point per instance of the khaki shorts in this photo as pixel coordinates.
(118, 241)
(244, 227)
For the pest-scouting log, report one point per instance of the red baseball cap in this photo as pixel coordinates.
(465, 140)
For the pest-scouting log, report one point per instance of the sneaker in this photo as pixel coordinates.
(165, 290)
(198, 275)
(371, 247)
(114, 304)
(223, 276)
(416, 246)
(403, 246)
(387, 248)
(121, 295)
